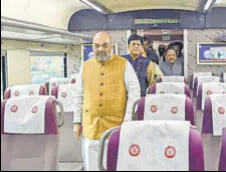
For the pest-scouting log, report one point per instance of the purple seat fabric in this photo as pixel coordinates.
(222, 162)
(211, 143)
(207, 125)
(47, 87)
(42, 91)
(54, 92)
(196, 158)
(152, 90)
(189, 111)
(33, 152)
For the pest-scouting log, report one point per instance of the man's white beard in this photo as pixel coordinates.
(103, 59)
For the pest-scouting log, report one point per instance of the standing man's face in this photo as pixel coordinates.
(135, 47)
(171, 56)
(102, 46)
(146, 45)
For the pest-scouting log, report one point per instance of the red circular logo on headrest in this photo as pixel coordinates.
(54, 84)
(31, 93)
(64, 94)
(34, 109)
(162, 92)
(209, 92)
(174, 110)
(16, 93)
(14, 108)
(134, 150)
(170, 152)
(221, 110)
(154, 108)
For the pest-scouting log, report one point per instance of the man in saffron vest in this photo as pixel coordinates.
(107, 88)
(147, 71)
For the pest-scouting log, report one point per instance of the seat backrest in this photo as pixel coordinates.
(203, 79)
(29, 134)
(206, 89)
(180, 79)
(154, 145)
(195, 74)
(214, 119)
(65, 93)
(169, 88)
(54, 82)
(25, 90)
(222, 162)
(165, 107)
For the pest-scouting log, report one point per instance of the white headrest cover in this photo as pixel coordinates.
(66, 94)
(170, 87)
(25, 90)
(218, 113)
(207, 79)
(54, 82)
(165, 107)
(153, 146)
(212, 88)
(25, 115)
(173, 79)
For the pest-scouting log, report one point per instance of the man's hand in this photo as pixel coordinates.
(77, 131)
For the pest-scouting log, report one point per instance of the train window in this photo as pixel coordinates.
(45, 65)
(3, 74)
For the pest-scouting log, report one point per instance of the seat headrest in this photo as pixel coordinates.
(66, 95)
(29, 115)
(165, 107)
(180, 79)
(206, 89)
(155, 145)
(170, 87)
(196, 74)
(214, 114)
(25, 90)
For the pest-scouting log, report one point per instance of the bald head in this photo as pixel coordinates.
(102, 46)
(102, 36)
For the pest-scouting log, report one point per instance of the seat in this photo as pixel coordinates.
(222, 162)
(204, 90)
(196, 74)
(165, 107)
(152, 146)
(29, 134)
(70, 148)
(19, 90)
(198, 81)
(169, 87)
(54, 82)
(214, 121)
(203, 79)
(180, 79)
